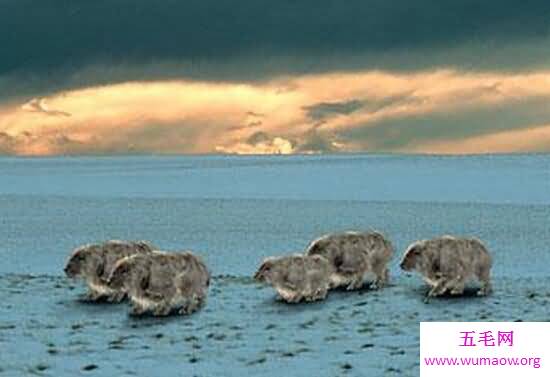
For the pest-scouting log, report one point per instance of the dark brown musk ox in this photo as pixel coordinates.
(354, 256)
(447, 263)
(162, 283)
(297, 277)
(95, 262)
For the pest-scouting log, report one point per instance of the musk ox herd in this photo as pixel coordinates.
(160, 283)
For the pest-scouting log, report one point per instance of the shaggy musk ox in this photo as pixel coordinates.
(161, 283)
(297, 277)
(353, 256)
(447, 263)
(95, 262)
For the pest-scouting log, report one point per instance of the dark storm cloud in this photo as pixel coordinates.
(315, 142)
(258, 137)
(392, 134)
(246, 126)
(258, 38)
(151, 139)
(324, 110)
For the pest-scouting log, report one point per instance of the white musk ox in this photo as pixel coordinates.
(297, 277)
(355, 255)
(95, 262)
(447, 263)
(161, 283)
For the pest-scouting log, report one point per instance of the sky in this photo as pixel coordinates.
(274, 77)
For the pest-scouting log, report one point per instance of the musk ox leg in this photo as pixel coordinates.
(201, 301)
(338, 280)
(192, 305)
(93, 295)
(485, 289)
(441, 288)
(116, 297)
(162, 309)
(291, 297)
(484, 276)
(356, 282)
(141, 305)
(289, 294)
(165, 303)
(185, 309)
(352, 269)
(380, 269)
(137, 309)
(322, 293)
(318, 294)
(382, 277)
(438, 289)
(458, 289)
(386, 276)
(456, 286)
(295, 298)
(308, 293)
(188, 305)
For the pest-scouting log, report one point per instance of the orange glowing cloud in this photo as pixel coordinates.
(293, 114)
(531, 139)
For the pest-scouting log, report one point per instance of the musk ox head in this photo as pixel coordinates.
(128, 270)
(144, 247)
(411, 256)
(322, 246)
(195, 268)
(120, 274)
(84, 262)
(270, 270)
(275, 270)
